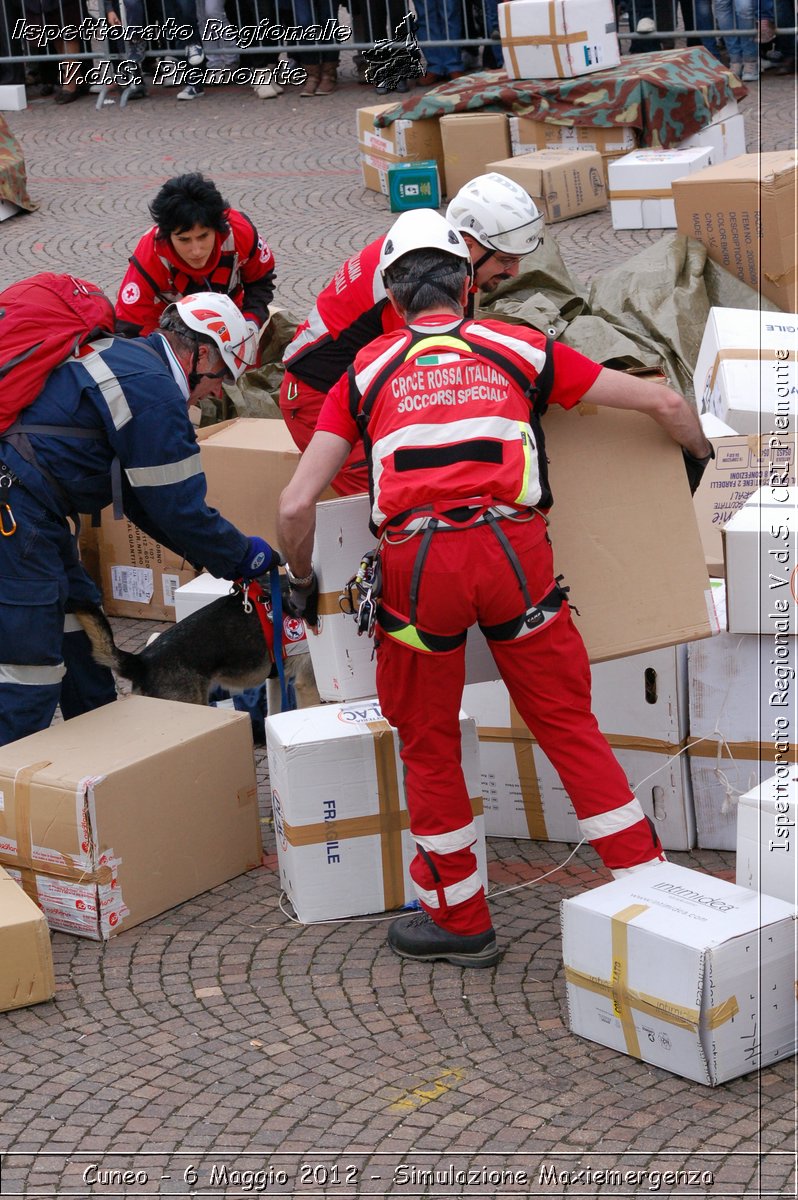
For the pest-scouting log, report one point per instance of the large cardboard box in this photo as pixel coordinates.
(640, 703)
(684, 971)
(13, 97)
(26, 958)
(760, 550)
(124, 812)
(340, 814)
(640, 185)
(742, 464)
(138, 577)
(724, 136)
(401, 141)
(767, 825)
(470, 141)
(741, 709)
(746, 372)
(247, 463)
(743, 210)
(558, 39)
(527, 134)
(562, 183)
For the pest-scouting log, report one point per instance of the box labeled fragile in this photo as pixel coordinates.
(640, 185)
(746, 372)
(683, 971)
(401, 141)
(767, 819)
(558, 39)
(117, 815)
(343, 838)
(724, 136)
(26, 974)
(743, 210)
(413, 185)
(470, 141)
(760, 550)
(562, 183)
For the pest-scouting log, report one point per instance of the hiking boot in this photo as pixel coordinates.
(419, 938)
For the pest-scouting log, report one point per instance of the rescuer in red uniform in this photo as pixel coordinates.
(449, 411)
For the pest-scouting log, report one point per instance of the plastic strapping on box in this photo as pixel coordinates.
(624, 998)
(552, 38)
(762, 353)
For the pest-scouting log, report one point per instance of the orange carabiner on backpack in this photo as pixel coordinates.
(7, 532)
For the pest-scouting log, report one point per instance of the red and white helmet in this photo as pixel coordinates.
(218, 317)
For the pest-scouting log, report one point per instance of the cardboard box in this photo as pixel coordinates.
(760, 550)
(413, 185)
(683, 971)
(195, 594)
(523, 794)
(767, 818)
(26, 976)
(640, 185)
(741, 465)
(401, 141)
(13, 97)
(124, 812)
(340, 815)
(527, 135)
(138, 577)
(470, 141)
(743, 210)
(344, 662)
(247, 463)
(724, 136)
(562, 183)
(746, 372)
(558, 39)
(740, 709)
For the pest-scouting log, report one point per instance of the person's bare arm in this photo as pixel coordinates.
(616, 389)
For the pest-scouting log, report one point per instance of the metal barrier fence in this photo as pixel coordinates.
(34, 30)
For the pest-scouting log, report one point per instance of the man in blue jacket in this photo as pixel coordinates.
(110, 424)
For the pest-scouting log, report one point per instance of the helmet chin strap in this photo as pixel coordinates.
(194, 376)
(481, 261)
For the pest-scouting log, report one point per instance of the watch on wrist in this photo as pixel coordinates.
(300, 581)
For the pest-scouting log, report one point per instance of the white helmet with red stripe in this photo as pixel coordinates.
(219, 318)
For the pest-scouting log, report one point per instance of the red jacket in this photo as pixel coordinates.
(241, 266)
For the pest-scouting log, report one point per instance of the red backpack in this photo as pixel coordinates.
(44, 320)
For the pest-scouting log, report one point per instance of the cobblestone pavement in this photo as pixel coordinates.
(223, 1035)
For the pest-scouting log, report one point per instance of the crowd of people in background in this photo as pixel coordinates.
(648, 24)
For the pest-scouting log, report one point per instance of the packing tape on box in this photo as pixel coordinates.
(552, 38)
(624, 998)
(328, 604)
(388, 823)
(761, 353)
(24, 860)
(640, 194)
(523, 742)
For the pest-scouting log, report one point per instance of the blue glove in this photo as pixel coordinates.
(259, 559)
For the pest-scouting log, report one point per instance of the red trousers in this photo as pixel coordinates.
(467, 577)
(300, 405)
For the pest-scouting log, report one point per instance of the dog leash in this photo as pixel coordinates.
(266, 607)
(277, 624)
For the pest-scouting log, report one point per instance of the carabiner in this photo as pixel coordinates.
(7, 532)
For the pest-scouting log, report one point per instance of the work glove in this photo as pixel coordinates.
(304, 601)
(696, 467)
(259, 558)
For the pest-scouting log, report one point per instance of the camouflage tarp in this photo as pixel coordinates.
(667, 96)
(13, 179)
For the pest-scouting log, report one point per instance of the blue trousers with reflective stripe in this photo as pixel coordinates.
(40, 577)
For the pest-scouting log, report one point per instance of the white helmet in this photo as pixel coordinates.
(420, 229)
(218, 317)
(498, 213)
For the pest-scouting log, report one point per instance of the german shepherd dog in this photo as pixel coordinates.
(222, 643)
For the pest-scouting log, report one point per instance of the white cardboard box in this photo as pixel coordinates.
(7, 209)
(640, 185)
(725, 136)
(13, 97)
(558, 39)
(760, 551)
(740, 696)
(746, 372)
(767, 818)
(684, 971)
(523, 794)
(343, 841)
(194, 595)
